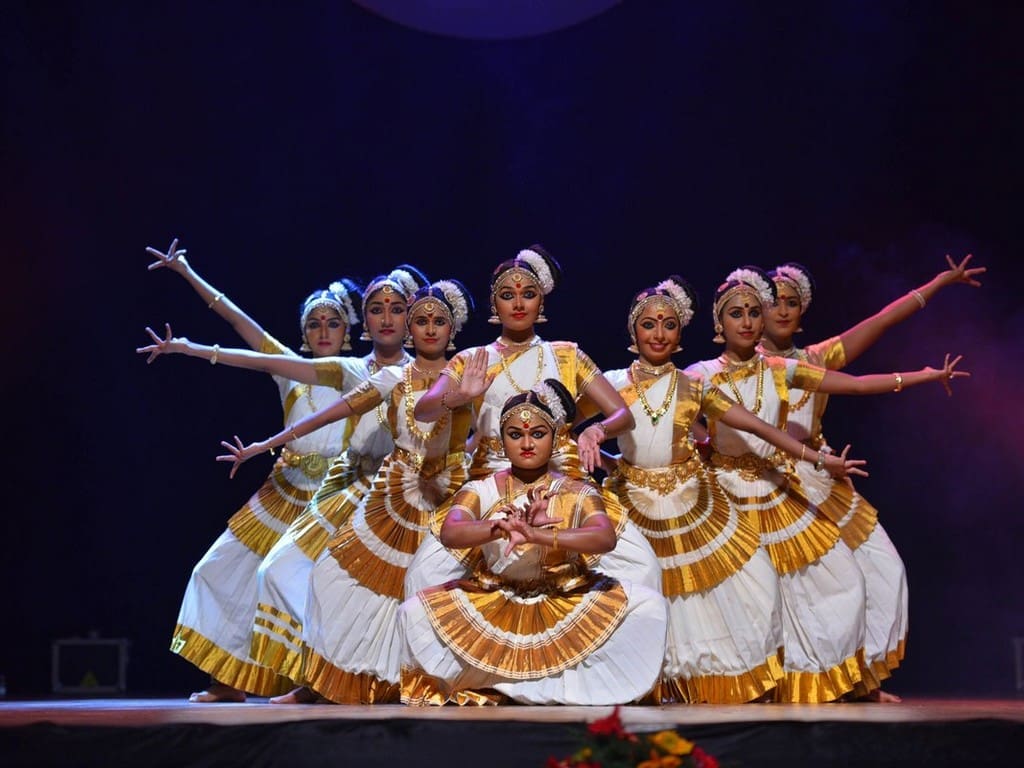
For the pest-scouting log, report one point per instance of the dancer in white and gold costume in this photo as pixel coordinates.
(533, 623)
(822, 589)
(486, 377)
(355, 586)
(885, 577)
(725, 627)
(214, 625)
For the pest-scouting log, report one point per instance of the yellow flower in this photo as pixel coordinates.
(671, 743)
(660, 761)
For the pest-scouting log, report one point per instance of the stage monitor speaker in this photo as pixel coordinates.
(90, 666)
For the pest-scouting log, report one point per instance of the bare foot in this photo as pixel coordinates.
(882, 697)
(300, 695)
(218, 692)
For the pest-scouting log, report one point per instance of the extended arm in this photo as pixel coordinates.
(839, 466)
(238, 453)
(288, 366)
(859, 338)
(837, 383)
(174, 260)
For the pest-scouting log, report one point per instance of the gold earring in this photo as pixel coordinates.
(719, 338)
(632, 348)
(540, 316)
(365, 336)
(346, 344)
(305, 347)
(494, 319)
(407, 343)
(678, 348)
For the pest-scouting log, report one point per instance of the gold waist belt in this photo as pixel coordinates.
(313, 465)
(749, 465)
(432, 465)
(662, 479)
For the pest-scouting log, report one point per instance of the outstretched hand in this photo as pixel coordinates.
(159, 346)
(238, 454)
(949, 373)
(959, 273)
(172, 259)
(840, 467)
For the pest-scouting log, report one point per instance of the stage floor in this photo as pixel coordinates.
(173, 732)
(137, 712)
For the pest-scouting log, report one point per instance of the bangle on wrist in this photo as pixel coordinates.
(899, 382)
(604, 430)
(216, 353)
(444, 401)
(919, 296)
(554, 538)
(218, 297)
(803, 450)
(820, 463)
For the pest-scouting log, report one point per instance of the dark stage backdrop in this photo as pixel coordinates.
(288, 144)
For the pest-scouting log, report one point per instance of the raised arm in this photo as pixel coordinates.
(288, 366)
(837, 383)
(174, 260)
(450, 392)
(859, 338)
(239, 453)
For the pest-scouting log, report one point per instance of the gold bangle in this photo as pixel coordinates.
(803, 450)
(899, 382)
(919, 296)
(444, 401)
(292, 433)
(216, 352)
(554, 538)
(604, 430)
(820, 463)
(215, 299)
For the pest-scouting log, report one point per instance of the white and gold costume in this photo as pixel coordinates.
(633, 559)
(283, 576)
(724, 622)
(355, 586)
(214, 627)
(821, 584)
(885, 577)
(536, 626)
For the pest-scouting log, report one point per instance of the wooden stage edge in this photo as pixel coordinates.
(126, 712)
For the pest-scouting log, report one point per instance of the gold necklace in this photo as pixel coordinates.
(654, 415)
(654, 370)
(410, 405)
(501, 341)
(513, 382)
(759, 372)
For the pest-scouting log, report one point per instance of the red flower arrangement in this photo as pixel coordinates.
(608, 745)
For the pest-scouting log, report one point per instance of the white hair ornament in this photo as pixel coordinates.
(540, 267)
(799, 278)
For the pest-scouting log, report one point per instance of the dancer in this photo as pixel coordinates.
(355, 587)
(822, 590)
(884, 573)
(283, 576)
(533, 624)
(724, 628)
(214, 624)
(485, 377)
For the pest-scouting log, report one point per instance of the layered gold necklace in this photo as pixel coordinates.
(758, 372)
(536, 380)
(655, 415)
(410, 405)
